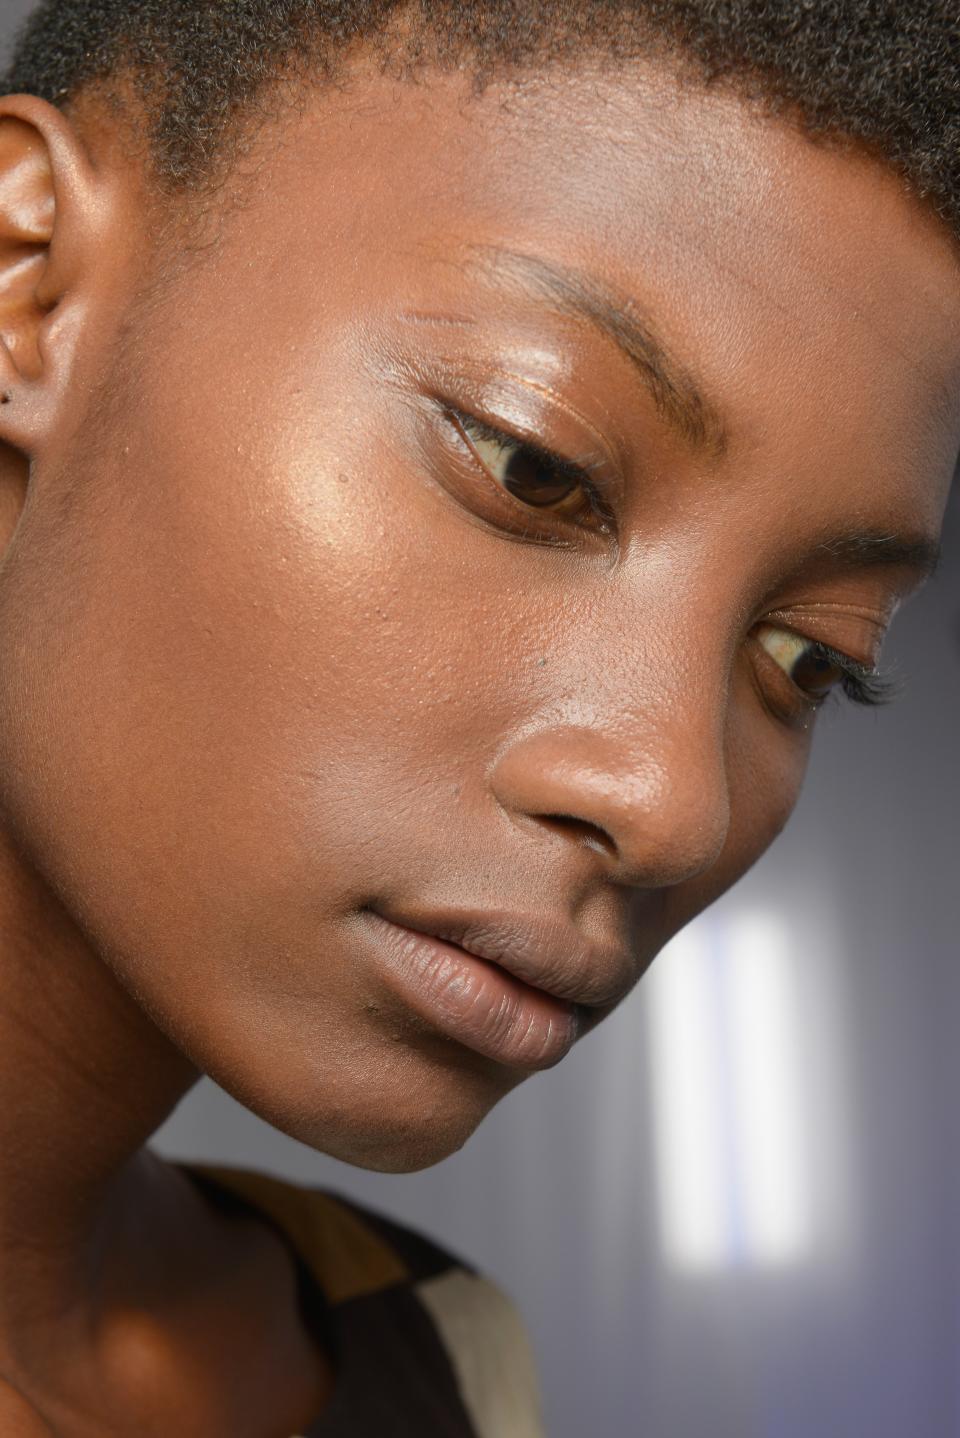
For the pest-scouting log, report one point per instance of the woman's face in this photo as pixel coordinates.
(300, 643)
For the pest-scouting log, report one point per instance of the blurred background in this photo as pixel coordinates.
(734, 1210)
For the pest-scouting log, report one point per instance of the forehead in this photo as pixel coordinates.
(800, 282)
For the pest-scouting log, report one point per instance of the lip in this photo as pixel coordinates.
(472, 999)
(513, 987)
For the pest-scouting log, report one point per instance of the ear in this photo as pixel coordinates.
(51, 207)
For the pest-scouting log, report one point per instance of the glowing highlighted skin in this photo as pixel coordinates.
(726, 1093)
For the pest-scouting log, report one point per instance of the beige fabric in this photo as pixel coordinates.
(490, 1353)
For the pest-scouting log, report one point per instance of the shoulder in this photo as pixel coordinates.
(360, 1256)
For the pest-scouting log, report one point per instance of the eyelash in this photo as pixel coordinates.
(566, 468)
(860, 684)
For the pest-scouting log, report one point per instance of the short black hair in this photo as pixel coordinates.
(882, 73)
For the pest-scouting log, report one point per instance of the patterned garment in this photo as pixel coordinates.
(423, 1347)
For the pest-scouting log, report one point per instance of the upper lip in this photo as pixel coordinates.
(546, 953)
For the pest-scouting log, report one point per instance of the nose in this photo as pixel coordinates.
(654, 801)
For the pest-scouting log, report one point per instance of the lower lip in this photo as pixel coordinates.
(478, 1003)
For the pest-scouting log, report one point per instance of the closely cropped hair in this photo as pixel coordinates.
(885, 73)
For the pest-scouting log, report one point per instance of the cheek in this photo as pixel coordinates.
(230, 686)
(222, 659)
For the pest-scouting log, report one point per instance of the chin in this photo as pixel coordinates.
(390, 1142)
(403, 1117)
(404, 1151)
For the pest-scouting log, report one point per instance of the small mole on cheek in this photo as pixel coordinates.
(541, 663)
(5, 398)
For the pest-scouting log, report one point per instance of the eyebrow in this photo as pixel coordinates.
(675, 392)
(862, 550)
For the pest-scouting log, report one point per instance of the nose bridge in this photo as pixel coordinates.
(649, 774)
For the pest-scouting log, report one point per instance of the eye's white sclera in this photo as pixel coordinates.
(495, 454)
(786, 648)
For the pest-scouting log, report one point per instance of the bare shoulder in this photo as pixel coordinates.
(18, 1418)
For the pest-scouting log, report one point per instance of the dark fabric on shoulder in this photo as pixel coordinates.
(422, 1256)
(395, 1378)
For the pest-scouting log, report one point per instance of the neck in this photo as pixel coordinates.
(85, 1079)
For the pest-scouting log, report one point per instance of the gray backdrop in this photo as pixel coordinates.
(732, 1212)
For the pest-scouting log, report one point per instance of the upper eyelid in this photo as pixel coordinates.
(571, 413)
(846, 661)
(814, 621)
(608, 440)
(613, 431)
(464, 386)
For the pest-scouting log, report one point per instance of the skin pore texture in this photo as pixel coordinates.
(275, 648)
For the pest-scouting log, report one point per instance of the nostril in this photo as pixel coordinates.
(589, 834)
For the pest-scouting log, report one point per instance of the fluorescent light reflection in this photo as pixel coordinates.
(725, 1082)
(684, 1063)
(762, 1016)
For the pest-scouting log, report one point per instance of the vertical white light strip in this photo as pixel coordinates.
(771, 1178)
(686, 1089)
(731, 1150)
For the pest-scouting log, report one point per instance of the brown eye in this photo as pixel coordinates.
(815, 674)
(532, 476)
(529, 478)
(802, 660)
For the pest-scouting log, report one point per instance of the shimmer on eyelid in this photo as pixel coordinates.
(675, 392)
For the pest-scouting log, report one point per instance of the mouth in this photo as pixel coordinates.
(474, 1000)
